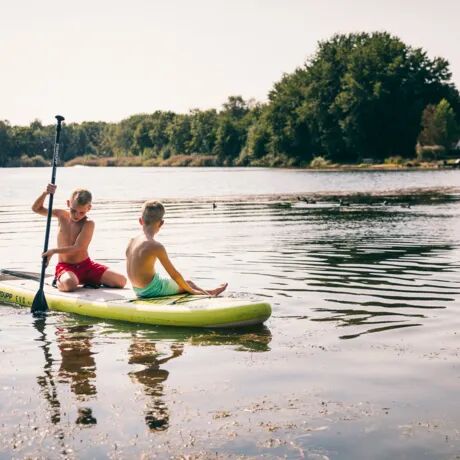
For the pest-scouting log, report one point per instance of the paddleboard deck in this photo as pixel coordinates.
(19, 288)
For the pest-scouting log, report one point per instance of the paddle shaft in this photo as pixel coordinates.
(60, 119)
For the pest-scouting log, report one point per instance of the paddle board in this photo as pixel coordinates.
(19, 288)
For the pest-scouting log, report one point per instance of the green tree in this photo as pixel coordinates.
(360, 95)
(95, 132)
(121, 141)
(232, 129)
(179, 133)
(158, 132)
(258, 137)
(203, 129)
(290, 131)
(5, 142)
(142, 142)
(439, 125)
(383, 87)
(235, 107)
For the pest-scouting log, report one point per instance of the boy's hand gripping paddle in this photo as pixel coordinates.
(39, 304)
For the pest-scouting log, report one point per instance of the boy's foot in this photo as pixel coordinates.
(217, 291)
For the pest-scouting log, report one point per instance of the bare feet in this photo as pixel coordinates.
(217, 291)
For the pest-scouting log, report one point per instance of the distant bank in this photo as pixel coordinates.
(393, 163)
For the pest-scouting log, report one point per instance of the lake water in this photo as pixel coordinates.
(359, 360)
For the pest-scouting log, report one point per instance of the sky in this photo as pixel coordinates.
(104, 60)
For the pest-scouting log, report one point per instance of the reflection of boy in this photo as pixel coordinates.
(142, 253)
(78, 366)
(74, 236)
(152, 377)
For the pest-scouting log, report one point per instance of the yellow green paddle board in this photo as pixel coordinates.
(19, 288)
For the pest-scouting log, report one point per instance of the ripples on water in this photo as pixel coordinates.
(373, 266)
(370, 267)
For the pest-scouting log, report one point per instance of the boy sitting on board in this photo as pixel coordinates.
(74, 235)
(142, 253)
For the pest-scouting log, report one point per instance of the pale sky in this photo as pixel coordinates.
(105, 60)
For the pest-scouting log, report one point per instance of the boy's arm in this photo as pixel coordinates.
(162, 256)
(39, 207)
(81, 243)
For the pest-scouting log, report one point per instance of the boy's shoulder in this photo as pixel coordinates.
(89, 223)
(154, 245)
(141, 243)
(61, 213)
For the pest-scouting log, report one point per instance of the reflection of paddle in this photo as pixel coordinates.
(39, 304)
(46, 381)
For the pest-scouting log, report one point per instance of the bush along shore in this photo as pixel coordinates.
(318, 163)
(361, 99)
(208, 161)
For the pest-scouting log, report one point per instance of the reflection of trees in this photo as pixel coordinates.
(255, 339)
(145, 353)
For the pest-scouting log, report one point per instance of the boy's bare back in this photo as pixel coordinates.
(141, 255)
(143, 251)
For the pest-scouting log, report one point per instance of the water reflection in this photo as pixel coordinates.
(78, 367)
(254, 340)
(46, 381)
(151, 377)
(149, 351)
(152, 349)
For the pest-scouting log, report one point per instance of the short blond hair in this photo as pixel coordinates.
(152, 211)
(82, 196)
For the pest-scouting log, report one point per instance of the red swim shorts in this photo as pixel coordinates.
(87, 271)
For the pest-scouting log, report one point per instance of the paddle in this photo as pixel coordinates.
(39, 304)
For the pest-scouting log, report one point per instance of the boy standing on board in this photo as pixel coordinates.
(74, 235)
(142, 253)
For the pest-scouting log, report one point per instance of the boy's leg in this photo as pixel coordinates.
(194, 286)
(113, 279)
(219, 289)
(216, 291)
(67, 282)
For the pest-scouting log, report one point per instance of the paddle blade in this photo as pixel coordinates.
(39, 304)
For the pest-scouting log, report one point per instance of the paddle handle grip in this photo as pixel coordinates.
(59, 119)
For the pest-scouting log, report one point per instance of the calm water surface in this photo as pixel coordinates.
(359, 360)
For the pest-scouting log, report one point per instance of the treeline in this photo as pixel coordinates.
(360, 96)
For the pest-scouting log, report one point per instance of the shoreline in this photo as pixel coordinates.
(211, 161)
(335, 168)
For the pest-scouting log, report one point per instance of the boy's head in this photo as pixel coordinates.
(79, 204)
(152, 214)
